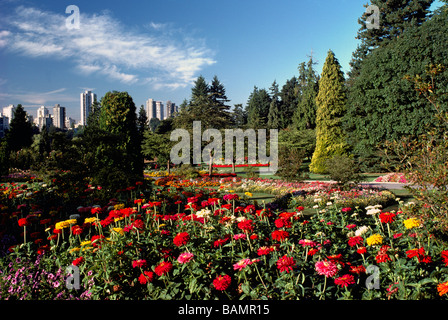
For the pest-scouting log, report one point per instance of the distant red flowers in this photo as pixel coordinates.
(421, 255)
(285, 263)
(78, 261)
(181, 239)
(23, 222)
(163, 268)
(280, 235)
(387, 217)
(139, 263)
(353, 241)
(221, 283)
(246, 225)
(345, 280)
(146, 277)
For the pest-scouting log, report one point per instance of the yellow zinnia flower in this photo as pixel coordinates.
(374, 239)
(90, 220)
(411, 223)
(248, 194)
(84, 243)
(118, 230)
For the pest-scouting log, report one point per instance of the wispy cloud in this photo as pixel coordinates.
(104, 46)
(39, 98)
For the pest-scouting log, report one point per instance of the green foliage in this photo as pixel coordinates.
(344, 170)
(118, 117)
(382, 104)
(205, 100)
(331, 107)
(305, 114)
(290, 164)
(298, 139)
(425, 160)
(156, 146)
(20, 133)
(395, 18)
(257, 108)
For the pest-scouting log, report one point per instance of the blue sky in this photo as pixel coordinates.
(156, 49)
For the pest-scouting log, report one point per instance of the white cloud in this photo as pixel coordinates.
(103, 45)
(39, 98)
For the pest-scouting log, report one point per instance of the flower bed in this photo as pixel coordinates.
(392, 177)
(202, 244)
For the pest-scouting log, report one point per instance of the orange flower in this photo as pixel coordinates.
(442, 288)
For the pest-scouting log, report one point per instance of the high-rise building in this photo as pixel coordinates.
(87, 100)
(8, 114)
(159, 110)
(59, 116)
(69, 123)
(171, 109)
(43, 118)
(150, 109)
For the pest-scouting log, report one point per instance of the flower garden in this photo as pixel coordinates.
(197, 239)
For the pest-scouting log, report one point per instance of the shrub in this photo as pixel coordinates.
(344, 170)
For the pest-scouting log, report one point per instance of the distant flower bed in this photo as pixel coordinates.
(392, 177)
(271, 186)
(355, 198)
(240, 165)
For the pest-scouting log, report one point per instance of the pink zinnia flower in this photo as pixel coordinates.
(307, 243)
(185, 257)
(326, 268)
(243, 263)
(239, 236)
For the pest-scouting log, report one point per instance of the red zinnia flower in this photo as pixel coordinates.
(77, 230)
(382, 255)
(246, 225)
(345, 280)
(221, 283)
(78, 261)
(362, 250)
(146, 277)
(285, 264)
(181, 239)
(445, 257)
(279, 235)
(163, 268)
(138, 263)
(387, 217)
(357, 269)
(97, 239)
(353, 241)
(264, 251)
(23, 222)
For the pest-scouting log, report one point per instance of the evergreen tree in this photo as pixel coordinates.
(331, 106)
(200, 90)
(239, 116)
(20, 134)
(305, 114)
(257, 108)
(289, 96)
(218, 101)
(382, 105)
(142, 121)
(274, 115)
(118, 117)
(394, 17)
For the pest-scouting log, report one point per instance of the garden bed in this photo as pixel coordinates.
(198, 243)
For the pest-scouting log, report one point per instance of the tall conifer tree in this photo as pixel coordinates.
(331, 106)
